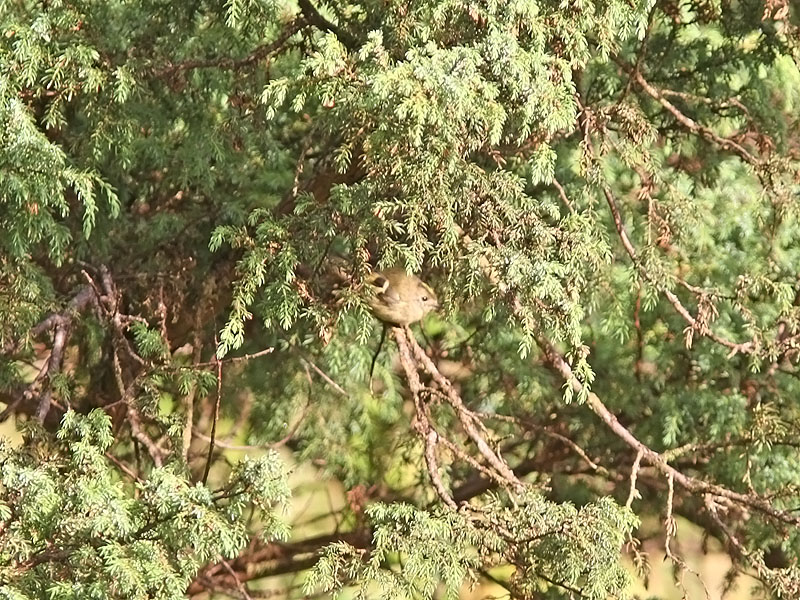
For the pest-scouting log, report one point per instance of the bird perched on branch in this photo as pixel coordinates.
(398, 298)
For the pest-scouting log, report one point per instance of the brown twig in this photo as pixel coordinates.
(695, 325)
(633, 493)
(692, 484)
(54, 363)
(527, 424)
(317, 20)
(278, 444)
(188, 402)
(640, 55)
(239, 584)
(670, 530)
(122, 467)
(430, 438)
(232, 359)
(744, 348)
(469, 421)
(61, 324)
(651, 456)
(216, 417)
(138, 433)
(422, 423)
(563, 195)
(689, 123)
(325, 377)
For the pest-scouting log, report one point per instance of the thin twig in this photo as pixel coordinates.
(239, 585)
(563, 195)
(735, 347)
(314, 18)
(216, 417)
(123, 467)
(651, 456)
(745, 348)
(138, 433)
(278, 444)
(633, 493)
(325, 377)
(690, 124)
(188, 403)
(670, 530)
(232, 359)
(692, 484)
(549, 433)
(430, 438)
(227, 446)
(53, 368)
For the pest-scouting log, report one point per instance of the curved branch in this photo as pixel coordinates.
(422, 422)
(745, 348)
(692, 484)
(651, 456)
(61, 324)
(468, 419)
(314, 18)
(689, 123)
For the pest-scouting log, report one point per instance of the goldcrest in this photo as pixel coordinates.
(398, 298)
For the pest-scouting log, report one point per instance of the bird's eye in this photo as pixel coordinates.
(424, 298)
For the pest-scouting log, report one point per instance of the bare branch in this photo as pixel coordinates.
(746, 347)
(422, 423)
(53, 368)
(469, 421)
(216, 418)
(325, 377)
(317, 20)
(651, 456)
(527, 424)
(563, 195)
(671, 529)
(61, 324)
(633, 493)
(135, 423)
(694, 485)
(688, 123)
(239, 584)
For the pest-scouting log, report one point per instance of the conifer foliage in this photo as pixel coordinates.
(604, 194)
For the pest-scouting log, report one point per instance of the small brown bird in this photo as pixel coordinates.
(399, 298)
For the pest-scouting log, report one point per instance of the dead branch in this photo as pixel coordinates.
(702, 329)
(135, 423)
(689, 123)
(317, 20)
(691, 484)
(61, 324)
(422, 422)
(468, 419)
(54, 364)
(215, 418)
(557, 361)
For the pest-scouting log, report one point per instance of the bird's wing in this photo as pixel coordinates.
(390, 296)
(383, 290)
